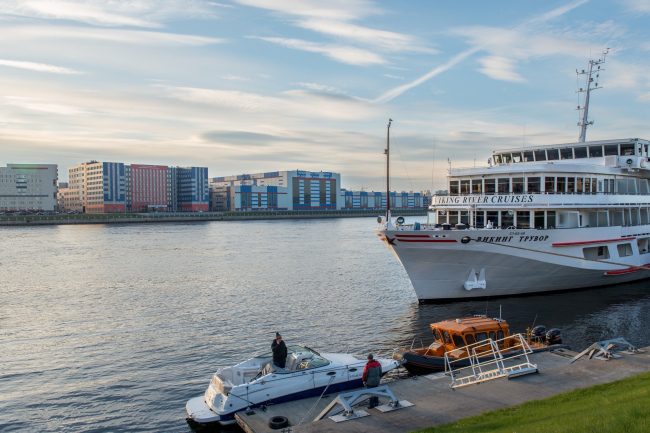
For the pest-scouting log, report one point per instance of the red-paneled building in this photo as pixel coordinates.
(148, 187)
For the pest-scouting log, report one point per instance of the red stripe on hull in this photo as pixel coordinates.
(623, 271)
(427, 240)
(564, 244)
(412, 236)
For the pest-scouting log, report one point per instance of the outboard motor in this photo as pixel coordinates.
(538, 334)
(554, 336)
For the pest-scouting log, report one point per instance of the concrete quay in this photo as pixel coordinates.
(436, 403)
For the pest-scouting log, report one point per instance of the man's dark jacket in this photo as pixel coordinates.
(279, 350)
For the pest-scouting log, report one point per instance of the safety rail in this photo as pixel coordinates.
(486, 353)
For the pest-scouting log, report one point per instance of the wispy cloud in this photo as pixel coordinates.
(393, 76)
(43, 106)
(500, 68)
(235, 78)
(320, 87)
(642, 6)
(644, 98)
(137, 13)
(331, 9)
(341, 53)
(140, 37)
(380, 39)
(40, 67)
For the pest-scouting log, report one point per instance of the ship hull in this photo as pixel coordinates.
(513, 262)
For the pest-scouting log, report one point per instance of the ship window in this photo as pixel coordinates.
(492, 335)
(507, 220)
(561, 184)
(611, 149)
(550, 219)
(593, 184)
(447, 337)
(493, 216)
(499, 335)
(596, 151)
(596, 253)
(490, 186)
(528, 156)
(477, 186)
(464, 217)
(458, 340)
(571, 185)
(552, 154)
(506, 158)
(539, 219)
(549, 185)
(436, 335)
(579, 189)
(516, 157)
(540, 155)
(464, 187)
(523, 219)
(533, 185)
(580, 152)
(624, 250)
(479, 219)
(627, 149)
(442, 217)
(453, 187)
(481, 336)
(566, 153)
(587, 185)
(470, 339)
(497, 159)
(453, 218)
(504, 186)
(517, 185)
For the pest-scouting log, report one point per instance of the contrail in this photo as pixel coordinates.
(393, 93)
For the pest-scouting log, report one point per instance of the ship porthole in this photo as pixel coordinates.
(465, 239)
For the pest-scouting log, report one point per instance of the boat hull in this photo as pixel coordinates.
(439, 267)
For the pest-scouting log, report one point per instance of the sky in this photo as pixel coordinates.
(248, 86)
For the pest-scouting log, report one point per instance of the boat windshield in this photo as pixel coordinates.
(296, 350)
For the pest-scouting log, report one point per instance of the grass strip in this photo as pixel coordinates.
(621, 406)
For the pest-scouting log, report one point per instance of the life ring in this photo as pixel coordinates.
(278, 422)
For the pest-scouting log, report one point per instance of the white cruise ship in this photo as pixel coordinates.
(536, 219)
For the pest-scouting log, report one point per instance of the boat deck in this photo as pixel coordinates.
(436, 403)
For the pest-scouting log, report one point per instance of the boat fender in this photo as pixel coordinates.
(278, 422)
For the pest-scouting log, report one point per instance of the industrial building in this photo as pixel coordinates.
(28, 187)
(277, 190)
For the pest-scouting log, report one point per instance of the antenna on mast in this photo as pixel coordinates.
(594, 68)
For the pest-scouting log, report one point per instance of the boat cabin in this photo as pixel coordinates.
(454, 334)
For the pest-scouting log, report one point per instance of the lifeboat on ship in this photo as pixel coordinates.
(452, 336)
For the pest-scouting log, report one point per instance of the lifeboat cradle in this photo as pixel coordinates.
(483, 368)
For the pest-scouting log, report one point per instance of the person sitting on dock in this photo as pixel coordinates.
(371, 378)
(279, 351)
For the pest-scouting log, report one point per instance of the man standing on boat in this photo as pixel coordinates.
(371, 378)
(279, 351)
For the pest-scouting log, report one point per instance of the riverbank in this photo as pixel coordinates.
(116, 218)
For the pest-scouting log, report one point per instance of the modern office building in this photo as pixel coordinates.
(278, 190)
(30, 187)
(148, 187)
(172, 189)
(96, 187)
(192, 186)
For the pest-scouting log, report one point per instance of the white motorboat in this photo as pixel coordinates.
(257, 382)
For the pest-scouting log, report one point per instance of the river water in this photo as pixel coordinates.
(114, 328)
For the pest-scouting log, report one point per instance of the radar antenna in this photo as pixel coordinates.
(594, 68)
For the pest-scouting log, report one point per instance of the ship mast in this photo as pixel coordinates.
(589, 78)
(387, 153)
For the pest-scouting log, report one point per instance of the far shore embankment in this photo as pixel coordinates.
(40, 220)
